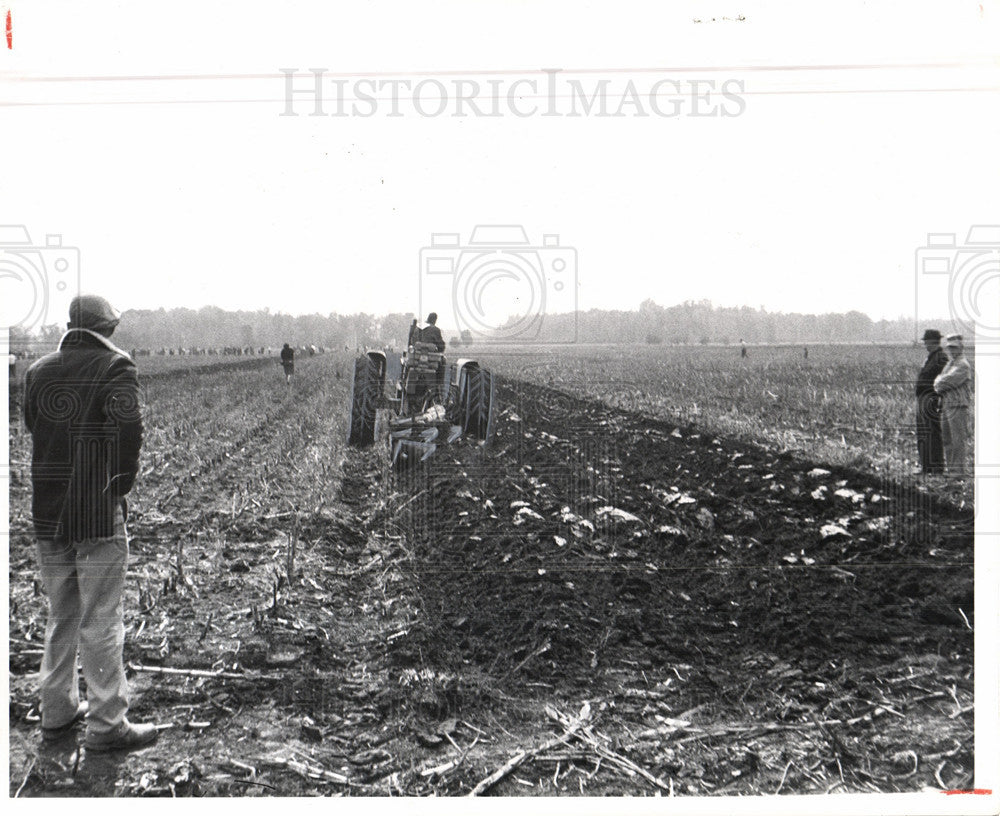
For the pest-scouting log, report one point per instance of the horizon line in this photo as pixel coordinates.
(714, 306)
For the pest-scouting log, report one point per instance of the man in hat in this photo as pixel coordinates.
(954, 384)
(431, 333)
(929, 449)
(82, 407)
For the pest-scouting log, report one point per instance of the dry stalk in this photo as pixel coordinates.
(571, 726)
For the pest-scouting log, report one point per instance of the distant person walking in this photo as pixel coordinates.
(743, 350)
(954, 384)
(805, 352)
(288, 362)
(82, 408)
(929, 446)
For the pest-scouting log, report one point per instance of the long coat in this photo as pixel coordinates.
(933, 365)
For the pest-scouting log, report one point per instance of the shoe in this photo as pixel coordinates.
(125, 737)
(62, 731)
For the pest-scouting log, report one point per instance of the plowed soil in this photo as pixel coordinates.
(729, 620)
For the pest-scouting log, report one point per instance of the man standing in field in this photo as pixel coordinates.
(82, 407)
(929, 446)
(288, 362)
(954, 384)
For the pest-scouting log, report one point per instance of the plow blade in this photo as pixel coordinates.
(418, 443)
(410, 452)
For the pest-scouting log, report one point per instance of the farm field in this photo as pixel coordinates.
(660, 578)
(163, 365)
(844, 404)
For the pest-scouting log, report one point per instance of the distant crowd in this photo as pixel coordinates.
(190, 351)
(222, 351)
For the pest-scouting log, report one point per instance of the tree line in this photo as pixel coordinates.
(691, 322)
(694, 322)
(212, 327)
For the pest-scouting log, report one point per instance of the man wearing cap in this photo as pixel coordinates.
(929, 448)
(954, 384)
(431, 333)
(82, 408)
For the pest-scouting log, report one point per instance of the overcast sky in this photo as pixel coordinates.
(192, 192)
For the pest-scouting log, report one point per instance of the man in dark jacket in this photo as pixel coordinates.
(431, 333)
(288, 362)
(82, 407)
(929, 446)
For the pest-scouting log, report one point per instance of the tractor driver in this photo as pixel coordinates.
(432, 334)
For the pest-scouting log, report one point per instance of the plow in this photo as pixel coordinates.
(427, 402)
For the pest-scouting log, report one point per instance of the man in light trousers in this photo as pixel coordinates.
(954, 384)
(82, 408)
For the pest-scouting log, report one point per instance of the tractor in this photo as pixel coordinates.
(430, 403)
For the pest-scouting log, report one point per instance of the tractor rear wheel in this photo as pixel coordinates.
(477, 419)
(365, 394)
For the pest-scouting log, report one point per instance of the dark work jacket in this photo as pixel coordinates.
(934, 365)
(432, 334)
(288, 355)
(81, 404)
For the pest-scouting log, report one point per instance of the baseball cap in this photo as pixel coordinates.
(954, 340)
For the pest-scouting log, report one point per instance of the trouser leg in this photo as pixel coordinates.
(929, 446)
(57, 681)
(101, 565)
(923, 436)
(935, 448)
(946, 440)
(960, 440)
(955, 435)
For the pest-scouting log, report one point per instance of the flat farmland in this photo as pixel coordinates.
(674, 571)
(157, 365)
(842, 404)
